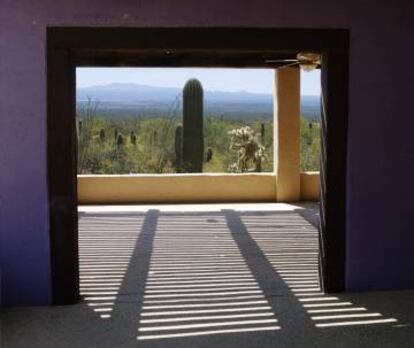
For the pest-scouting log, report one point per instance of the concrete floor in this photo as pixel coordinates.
(228, 275)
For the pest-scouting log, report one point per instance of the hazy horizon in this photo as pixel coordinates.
(258, 81)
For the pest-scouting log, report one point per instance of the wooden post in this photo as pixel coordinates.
(287, 134)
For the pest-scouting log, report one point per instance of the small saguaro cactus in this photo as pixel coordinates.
(102, 135)
(262, 132)
(193, 142)
(120, 140)
(133, 138)
(178, 145)
(209, 155)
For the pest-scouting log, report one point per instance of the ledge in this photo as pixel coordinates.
(309, 186)
(187, 188)
(176, 188)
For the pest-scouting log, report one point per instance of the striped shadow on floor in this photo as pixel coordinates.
(199, 284)
(290, 244)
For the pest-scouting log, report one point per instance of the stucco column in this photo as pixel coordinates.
(287, 134)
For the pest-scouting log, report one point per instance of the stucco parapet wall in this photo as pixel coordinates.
(176, 188)
(180, 188)
(309, 186)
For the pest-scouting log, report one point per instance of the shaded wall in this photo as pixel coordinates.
(381, 146)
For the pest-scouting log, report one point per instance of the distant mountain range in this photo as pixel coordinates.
(137, 99)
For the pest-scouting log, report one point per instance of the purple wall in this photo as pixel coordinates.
(380, 217)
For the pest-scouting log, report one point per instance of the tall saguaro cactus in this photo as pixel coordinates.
(178, 145)
(193, 140)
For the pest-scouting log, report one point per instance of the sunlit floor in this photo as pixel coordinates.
(228, 275)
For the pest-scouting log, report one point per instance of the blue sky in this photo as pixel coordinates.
(250, 80)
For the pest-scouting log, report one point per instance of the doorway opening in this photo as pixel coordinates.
(71, 48)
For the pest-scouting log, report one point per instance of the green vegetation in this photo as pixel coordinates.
(310, 144)
(149, 145)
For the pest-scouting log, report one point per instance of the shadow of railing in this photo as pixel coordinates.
(114, 251)
(199, 283)
(182, 275)
(290, 244)
(271, 282)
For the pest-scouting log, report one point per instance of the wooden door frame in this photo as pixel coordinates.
(71, 47)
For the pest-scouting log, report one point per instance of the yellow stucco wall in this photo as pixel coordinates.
(309, 186)
(176, 188)
(287, 133)
(186, 188)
